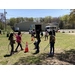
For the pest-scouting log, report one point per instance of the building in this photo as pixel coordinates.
(25, 26)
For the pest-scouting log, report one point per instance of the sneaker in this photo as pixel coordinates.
(49, 54)
(52, 53)
(36, 53)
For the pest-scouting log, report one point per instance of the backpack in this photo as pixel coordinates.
(53, 39)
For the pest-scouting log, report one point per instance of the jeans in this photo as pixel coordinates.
(51, 46)
(46, 36)
(37, 45)
(18, 46)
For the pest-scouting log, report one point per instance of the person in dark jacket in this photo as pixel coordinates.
(38, 40)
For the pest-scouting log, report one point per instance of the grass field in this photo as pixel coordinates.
(64, 51)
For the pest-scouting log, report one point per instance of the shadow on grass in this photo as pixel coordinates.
(12, 54)
(32, 60)
(66, 56)
(7, 55)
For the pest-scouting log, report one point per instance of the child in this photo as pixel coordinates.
(18, 37)
(12, 42)
(41, 34)
(32, 33)
(52, 42)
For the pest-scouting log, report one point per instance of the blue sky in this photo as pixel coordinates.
(35, 12)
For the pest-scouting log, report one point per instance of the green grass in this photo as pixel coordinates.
(64, 43)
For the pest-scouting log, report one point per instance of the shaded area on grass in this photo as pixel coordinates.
(67, 56)
(7, 55)
(32, 60)
(43, 58)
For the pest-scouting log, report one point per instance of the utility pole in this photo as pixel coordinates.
(5, 18)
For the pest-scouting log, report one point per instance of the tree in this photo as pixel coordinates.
(31, 19)
(12, 21)
(21, 19)
(36, 19)
(26, 19)
(41, 19)
(46, 19)
(65, 18)
(1, 26)
(72, 16)
(53, 19)
(61, 25)
(7, 21)
(17, 20)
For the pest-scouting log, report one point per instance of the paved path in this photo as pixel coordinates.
(70, 33)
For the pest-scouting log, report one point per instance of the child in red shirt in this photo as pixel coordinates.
(18, 40)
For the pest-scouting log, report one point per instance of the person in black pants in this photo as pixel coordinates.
(52, 42)
(12, 42)
(38, 40)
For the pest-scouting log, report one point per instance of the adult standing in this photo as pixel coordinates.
(38, 40)
(46, 35)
